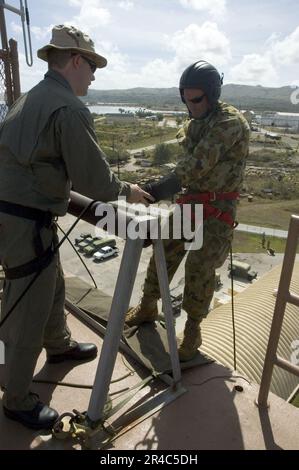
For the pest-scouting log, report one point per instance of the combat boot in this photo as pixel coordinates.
(145, 311)
(191, 340)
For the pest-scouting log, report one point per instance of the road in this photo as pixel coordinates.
(260, 230)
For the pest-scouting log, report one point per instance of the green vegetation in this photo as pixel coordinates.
(132, 135)
(257, 98)
(272, 176)
(252, 243)
(281, 187)
(275, 214)
(165, 153)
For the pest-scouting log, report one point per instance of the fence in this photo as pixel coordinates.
(3, 94)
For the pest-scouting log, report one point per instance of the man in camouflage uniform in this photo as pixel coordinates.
(215, 141)
(47, 145)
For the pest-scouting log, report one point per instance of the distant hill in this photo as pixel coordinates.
(257, 98)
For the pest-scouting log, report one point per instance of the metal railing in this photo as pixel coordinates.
(122, 295)
(284, 296)
(10, 88)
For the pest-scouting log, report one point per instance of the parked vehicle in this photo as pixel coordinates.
(89, 250)
(84, 243)
(82, 237)
(242, 270)
(104, 242)
(89, 245)
(105, 252)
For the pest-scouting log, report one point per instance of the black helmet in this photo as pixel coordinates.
(205, 76)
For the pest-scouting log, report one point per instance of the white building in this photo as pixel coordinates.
(290, 120)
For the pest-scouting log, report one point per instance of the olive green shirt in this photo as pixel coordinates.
(48, 146)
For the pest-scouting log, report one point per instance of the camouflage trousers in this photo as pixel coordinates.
(199, 268)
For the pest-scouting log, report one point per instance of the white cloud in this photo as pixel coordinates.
(41, 33)
(204, 42)
(189, 45)
(215, 7)
(255, 69)
(17, 29)
(30, 76)
(126, 5)
(91, 15)
(286, 51)
(159, 73)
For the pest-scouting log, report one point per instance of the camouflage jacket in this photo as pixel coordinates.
(215, 151)
(47, 145)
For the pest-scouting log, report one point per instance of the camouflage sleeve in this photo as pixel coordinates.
(85, 162)
(206, 154)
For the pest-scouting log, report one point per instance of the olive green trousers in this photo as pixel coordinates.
(38, 320)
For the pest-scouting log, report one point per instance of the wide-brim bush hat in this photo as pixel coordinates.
(70, 38)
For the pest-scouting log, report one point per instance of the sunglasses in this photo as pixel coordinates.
(197, 99)
(92, 65)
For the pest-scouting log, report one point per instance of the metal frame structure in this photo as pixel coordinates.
(284, 296)
(23, 12)
(9, 51)
(120, 303)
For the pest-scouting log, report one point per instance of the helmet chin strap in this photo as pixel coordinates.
(203, 116)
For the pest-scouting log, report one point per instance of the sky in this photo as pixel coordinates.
(148, 43)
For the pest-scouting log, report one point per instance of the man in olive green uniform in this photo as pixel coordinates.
(215, 141)
(47, 145)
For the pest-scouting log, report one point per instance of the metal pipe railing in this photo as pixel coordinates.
(15, 69)
(122, 293)
(282, 298)
(4, 40)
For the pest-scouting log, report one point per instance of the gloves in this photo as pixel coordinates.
(164, 188)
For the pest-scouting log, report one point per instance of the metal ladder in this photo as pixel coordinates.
(284, 296)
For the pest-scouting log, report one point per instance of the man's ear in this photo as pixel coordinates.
(76, 59)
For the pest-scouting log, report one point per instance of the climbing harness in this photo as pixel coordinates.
(209, 211)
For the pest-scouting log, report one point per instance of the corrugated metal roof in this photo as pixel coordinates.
(253, 316)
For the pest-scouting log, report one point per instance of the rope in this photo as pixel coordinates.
(233, 307)
(78, 254)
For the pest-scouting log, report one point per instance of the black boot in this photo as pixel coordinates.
(41, 417)
(80, 352)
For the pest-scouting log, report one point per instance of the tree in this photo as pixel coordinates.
(162, 154)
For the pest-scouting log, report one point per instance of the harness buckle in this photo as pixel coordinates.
(219, 214)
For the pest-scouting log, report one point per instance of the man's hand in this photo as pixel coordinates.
(139, 196)
(165, 188)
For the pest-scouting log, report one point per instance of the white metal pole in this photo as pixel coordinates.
(119, 307)
(167, 308)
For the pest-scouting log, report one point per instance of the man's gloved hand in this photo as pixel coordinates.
(139, 195)
(164, 188)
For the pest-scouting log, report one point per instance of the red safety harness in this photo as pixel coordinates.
(208, 209)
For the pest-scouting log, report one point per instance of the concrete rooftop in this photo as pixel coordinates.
(212, 414)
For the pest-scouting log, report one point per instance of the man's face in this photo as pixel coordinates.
(196, 102)
(84, 76)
